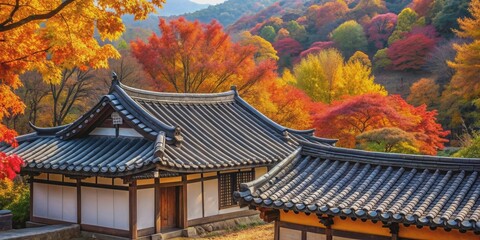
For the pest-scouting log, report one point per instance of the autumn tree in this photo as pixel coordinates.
(350, 117)
(406, 20)
(321, 15)
(467, 61)
(355, 115)
(380, 28)
(421, 7)
(264, 49)
(424, 91)
(316, 47)
(288, 49)
(282, 102)
(349, 37)
(199, 57)
(369, 8)
(410, 53)
(48, 36)
(387, 139)
(325, 77)
(361, 57)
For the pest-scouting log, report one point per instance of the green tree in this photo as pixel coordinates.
(405, 21)
(296, 31)
(350, 37)
(268, 33)
(472, 150)
(446, 20)
(381, 60)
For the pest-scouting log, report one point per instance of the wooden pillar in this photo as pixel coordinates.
(31, 196)
(79, 201)
(327, 222)
(158, 220)
(132, 197)
(394, 229)
(276, 235)
(184, 202)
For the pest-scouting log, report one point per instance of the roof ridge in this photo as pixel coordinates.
(178, 97)
(390, 159)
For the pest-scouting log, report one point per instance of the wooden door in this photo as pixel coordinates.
(168, 207)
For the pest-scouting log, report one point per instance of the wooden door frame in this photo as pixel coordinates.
(180, 205)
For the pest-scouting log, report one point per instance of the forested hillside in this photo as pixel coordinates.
(393, 76)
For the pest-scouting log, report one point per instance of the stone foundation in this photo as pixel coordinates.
(50, 232)
(5, 220)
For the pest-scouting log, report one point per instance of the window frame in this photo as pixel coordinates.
(234, 179)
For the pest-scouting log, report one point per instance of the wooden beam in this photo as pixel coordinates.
(31, 197)
(158, 219)
(183, 208)
(79, 201)
(132, 197)
(203, 196)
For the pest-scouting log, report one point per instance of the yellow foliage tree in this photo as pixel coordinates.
(264, 48)
(467, 61)
(325, 77)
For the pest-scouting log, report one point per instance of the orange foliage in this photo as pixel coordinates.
(348, 118)
(48, 36)
(197, 57)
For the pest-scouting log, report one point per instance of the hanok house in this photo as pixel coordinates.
(325, 192)
(140, 162)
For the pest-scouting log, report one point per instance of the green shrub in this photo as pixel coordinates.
(15, 196)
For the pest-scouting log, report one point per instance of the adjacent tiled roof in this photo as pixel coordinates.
(181, 133)
(409, 189)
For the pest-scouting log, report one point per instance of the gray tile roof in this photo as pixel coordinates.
(181, 133)
(408, 189)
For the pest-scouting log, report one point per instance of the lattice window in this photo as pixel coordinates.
(230, 182)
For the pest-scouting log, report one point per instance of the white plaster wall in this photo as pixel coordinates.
(55, 202)
(105, 211)
(40, 200)
(145, 208)
(105, 207)
(89, 206)
(69, 204)
(194, 200)
(211, 197)
(127, 132)
(121, 209)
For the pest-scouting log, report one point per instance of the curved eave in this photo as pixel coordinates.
(391, 159)
(47, 130)
(127, 172)
(246, 198)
